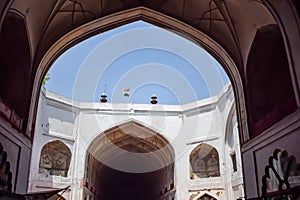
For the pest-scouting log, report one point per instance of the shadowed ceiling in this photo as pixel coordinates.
(234, 25)
(231, 23)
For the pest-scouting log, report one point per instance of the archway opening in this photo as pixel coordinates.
(98, 172)
(129, 161)
(158, 19)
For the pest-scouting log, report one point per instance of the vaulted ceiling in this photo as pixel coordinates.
(231, 23)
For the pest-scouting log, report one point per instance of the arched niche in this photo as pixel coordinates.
(55, 159)
(204, 162)
(270, 93)
(15, 62)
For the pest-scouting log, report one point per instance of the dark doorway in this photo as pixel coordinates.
(115, 185)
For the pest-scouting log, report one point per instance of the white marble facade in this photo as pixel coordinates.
(66, 131)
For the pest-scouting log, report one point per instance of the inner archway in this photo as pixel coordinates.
(129, 161)
(98, 168)
(142, 13)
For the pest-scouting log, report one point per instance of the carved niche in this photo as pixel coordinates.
(204, 161)
(55, 159)
(282, 176)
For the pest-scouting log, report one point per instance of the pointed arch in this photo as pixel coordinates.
(204, 162)
(273, 99)
(128, 148)
(131, 136)
(55, 159)
(205, 195)
(141, 13)
(15, 58)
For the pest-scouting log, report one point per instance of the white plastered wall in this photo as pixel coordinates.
(185, 126)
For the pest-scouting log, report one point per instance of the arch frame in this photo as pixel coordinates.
(195, 151)
(156, 18)
(93, 148)
(63, 145)
(93, 144)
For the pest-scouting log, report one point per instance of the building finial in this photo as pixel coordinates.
(104, 96)
(153, 99)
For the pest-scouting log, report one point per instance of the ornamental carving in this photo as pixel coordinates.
(55, 159)
(204, 161)
(5, 173)
(282, 176)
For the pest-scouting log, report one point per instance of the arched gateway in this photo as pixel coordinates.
(230, 30)
(129, 161)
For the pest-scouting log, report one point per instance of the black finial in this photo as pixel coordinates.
(103, 98)
(153, 99)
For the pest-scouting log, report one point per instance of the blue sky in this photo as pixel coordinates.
(145, 58)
